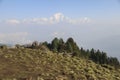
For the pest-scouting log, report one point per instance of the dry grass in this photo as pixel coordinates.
(37, 64)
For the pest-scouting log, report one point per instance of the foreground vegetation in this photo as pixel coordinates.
(42, 64)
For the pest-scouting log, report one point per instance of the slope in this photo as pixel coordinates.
(37, 64)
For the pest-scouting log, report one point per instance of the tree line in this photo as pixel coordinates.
(70, 47)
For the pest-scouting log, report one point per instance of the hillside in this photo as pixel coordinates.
(42, 64)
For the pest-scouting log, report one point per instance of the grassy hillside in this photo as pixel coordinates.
(42, 64)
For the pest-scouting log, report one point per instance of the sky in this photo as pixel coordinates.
(92, 23)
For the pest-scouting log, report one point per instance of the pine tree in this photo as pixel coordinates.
(55, 44)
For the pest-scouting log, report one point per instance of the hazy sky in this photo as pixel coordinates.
(92, 23)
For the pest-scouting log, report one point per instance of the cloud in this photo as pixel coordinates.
(13, 21)
(78, 21)
(58, 34)
(18, 37)
(59, 18)
(54, 19)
